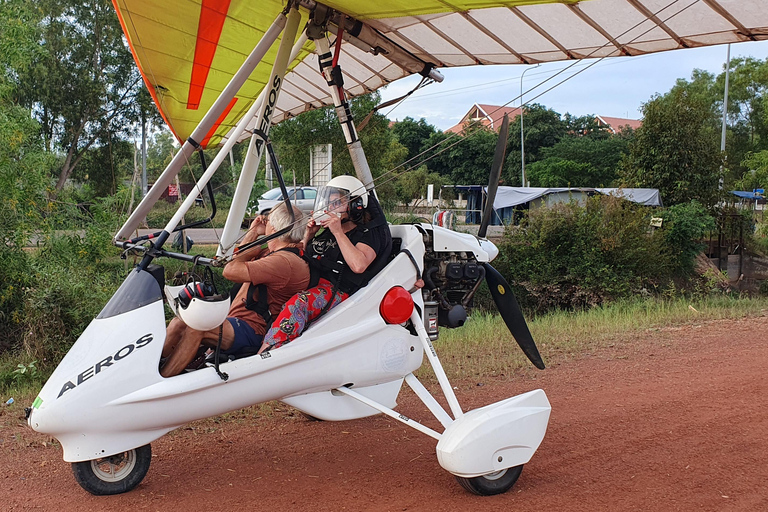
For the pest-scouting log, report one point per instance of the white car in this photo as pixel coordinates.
(301, 197)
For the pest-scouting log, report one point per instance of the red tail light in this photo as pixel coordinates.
(396, 306)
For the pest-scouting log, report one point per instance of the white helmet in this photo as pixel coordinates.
(341, 194)
(196, 307)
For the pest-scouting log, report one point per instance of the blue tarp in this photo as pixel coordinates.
(747, 195)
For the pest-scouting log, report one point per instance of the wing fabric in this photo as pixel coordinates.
(187, 50)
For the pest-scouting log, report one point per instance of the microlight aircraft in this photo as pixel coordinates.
(222, 71)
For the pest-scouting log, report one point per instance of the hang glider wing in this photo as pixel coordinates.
(187, 50)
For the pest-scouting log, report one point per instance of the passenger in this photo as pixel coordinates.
(343, 257)
(281, 270)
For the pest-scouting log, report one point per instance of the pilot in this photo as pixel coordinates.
(347, 242)
(270, 276)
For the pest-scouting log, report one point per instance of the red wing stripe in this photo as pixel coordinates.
(213, 13)
(218, 122)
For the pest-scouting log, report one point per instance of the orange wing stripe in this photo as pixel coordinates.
(218, 122)
(213, 13)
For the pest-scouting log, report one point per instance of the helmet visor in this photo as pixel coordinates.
(330, 200)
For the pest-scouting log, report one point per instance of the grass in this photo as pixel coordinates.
(484, 347)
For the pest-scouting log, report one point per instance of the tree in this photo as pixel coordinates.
(82, 83)
(413, 185)
(470, 159)
(105, 166)
(676, 150)
(19, 34)
(23, 160)
(748, 85)
(589, 160)
(757, 174)
(747, 111)
(294, 137)
(585, 126)
(542, 128)
(558, 172)
(414, 135)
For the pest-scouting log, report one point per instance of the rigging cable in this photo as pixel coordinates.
(391, 174)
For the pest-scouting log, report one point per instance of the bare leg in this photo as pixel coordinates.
(185, 349)
(183, 353)
(211, 338)
(173, 334)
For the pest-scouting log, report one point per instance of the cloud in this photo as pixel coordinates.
(614, 87)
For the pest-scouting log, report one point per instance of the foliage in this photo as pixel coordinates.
(558, 172)
(473, 157)
(25, 371)
(572, 256)
(23, 165)
(747, 110)
(542, 128)
(413, 135)
(48, 296)
(587, 126)
(685, 226)
(104, 167)
(747, 119)
(760, 238)
(413, 184)
(82, 83)
(72, 282)
(588, 160)
(676, 150)
(756, 175)
(162, 212)
(294, 137)
(24, 211)
(19, 33)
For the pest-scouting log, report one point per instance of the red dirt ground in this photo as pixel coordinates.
(673, 419)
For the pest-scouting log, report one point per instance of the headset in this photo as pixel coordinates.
(196, 287)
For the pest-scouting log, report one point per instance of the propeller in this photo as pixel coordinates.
(493, 179)
(512, 314)
(500, 291)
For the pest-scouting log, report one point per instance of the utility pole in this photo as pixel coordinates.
(143, 155)
(725, 107)
(522, 132)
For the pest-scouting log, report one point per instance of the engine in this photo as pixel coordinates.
(452, 275)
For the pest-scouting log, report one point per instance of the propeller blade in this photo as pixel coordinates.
(510, 311)
(493, 179)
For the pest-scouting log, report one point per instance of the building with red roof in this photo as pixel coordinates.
(492, 115)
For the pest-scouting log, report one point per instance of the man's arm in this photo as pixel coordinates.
(237, 270)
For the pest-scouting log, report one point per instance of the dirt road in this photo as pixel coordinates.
(672, 419)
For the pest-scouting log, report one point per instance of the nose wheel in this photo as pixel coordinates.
(114, 474)
(497, 482)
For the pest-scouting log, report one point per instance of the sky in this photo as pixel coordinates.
(614, 87)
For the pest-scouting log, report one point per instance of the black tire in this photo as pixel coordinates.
(114, 474)
(492, 483)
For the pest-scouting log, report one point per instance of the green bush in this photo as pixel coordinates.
(571, 256)
(684, 226)
(15, 277)
(74, 277)
(162, 212)
(759, 238)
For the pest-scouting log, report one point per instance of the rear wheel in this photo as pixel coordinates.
(493, 483)
(114, 474)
